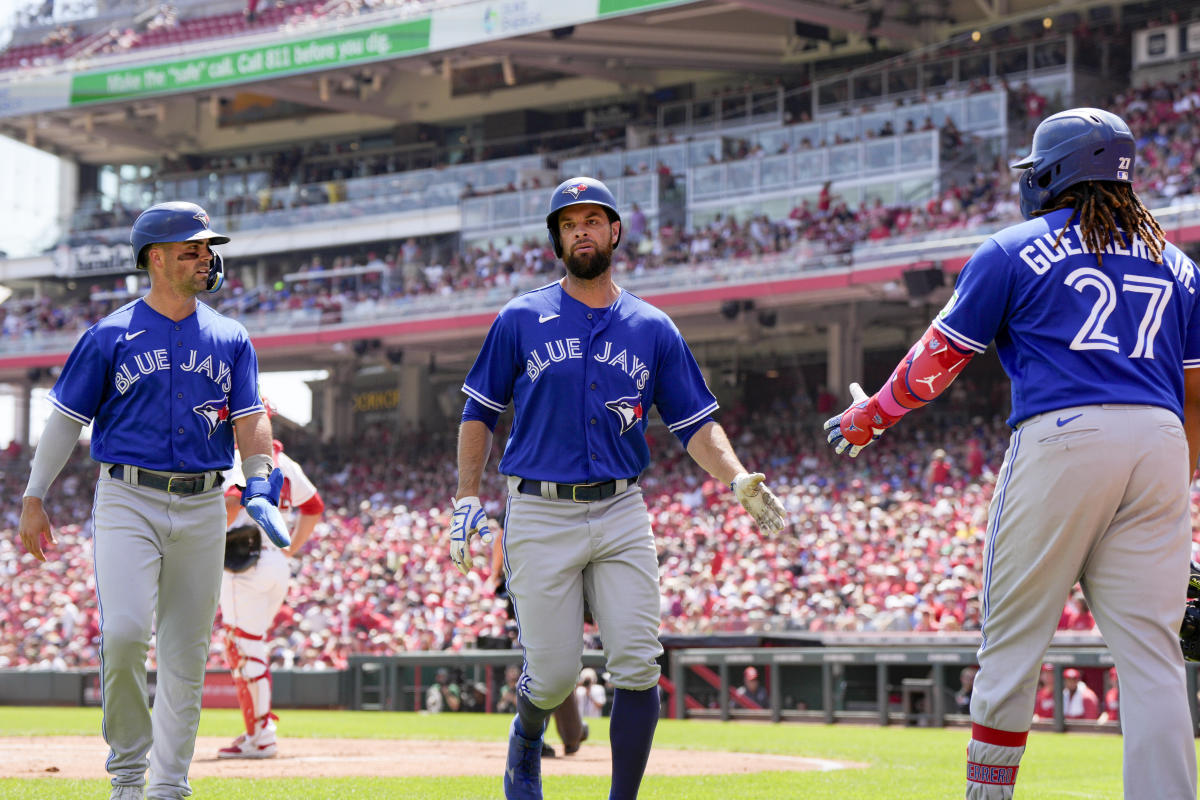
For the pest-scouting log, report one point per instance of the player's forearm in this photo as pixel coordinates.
(1191, 415)
(928, 369)
(921, 376)
(253, 435)
(710, 448)
(474, 444)
(54, 448)
(303, 531)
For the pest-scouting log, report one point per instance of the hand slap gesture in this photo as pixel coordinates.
(759, 501)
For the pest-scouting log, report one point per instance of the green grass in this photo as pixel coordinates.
(903, 763)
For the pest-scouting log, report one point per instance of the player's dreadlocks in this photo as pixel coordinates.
(1106, 210)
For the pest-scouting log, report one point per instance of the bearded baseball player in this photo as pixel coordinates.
(167, 384)
(583, 361)
(254, 585)
(1095, 319)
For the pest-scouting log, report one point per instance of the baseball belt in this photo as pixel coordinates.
(577, 492)
(175, 483)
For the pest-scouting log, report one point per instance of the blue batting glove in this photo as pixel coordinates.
(261, 501)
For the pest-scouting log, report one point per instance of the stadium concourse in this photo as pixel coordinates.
(1164, 116)
(891, 544)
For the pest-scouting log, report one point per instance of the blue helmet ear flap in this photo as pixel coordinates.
(552, 230)
(1033, 197)
(216, 273)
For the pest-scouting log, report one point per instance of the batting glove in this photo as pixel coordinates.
(857, 426)
(758, 501)
(469, 518)
(261, 501)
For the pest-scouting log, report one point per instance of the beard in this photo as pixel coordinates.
(589, 266)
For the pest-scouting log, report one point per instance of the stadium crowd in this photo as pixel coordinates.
(826, 228)
(1162, 115)
(892, 543)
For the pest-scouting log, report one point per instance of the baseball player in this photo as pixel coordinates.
(167, 384)
(1096, 321)
(254, 585)
(582, 361)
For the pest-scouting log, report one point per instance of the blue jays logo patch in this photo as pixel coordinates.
(202, 217)
(576, 190)
(213, 412)
(628, 409)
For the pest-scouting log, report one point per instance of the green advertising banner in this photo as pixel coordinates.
(607, 7)
(253, 64)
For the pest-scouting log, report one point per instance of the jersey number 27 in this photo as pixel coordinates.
(1091, 335)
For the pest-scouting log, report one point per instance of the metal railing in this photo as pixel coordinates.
(528, 208)
(893, 682)
(912, 155)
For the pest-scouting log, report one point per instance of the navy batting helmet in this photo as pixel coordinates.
(1080, 144)
(177, 222)
(575, 191)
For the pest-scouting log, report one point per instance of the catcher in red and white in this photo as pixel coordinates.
(253, 587)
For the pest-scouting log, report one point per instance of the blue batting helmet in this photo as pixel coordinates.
(177, 222)
(576, 191)
(1080, 144)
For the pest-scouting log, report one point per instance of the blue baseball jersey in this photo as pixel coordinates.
(581, 381)
(1070, 331)
(163, 394)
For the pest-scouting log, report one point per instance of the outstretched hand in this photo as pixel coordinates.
(857, 426)
(759, 501)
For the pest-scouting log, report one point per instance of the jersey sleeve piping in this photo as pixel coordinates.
(683, 423)
(960, 340)
(257, 408)
(1191, 363)
(481, 399)
(80, 418)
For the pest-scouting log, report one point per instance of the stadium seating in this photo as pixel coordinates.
(891, 543)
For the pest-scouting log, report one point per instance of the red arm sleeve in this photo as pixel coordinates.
(313, 505)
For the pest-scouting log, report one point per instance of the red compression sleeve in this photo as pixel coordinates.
(929, 368)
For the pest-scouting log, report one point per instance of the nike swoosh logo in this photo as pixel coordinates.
(1062, 421)
(547, 317)
(132, 336)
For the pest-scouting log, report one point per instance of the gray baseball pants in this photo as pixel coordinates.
(159, 559)
(1098, 495)
(558, 551)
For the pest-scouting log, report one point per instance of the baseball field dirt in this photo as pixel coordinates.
(83, 757)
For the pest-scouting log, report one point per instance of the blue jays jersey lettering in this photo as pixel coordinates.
(202, 368)
(1070, 331)
(572, 370)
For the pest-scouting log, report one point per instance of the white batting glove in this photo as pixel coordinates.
(469, 518)
(758, 501)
